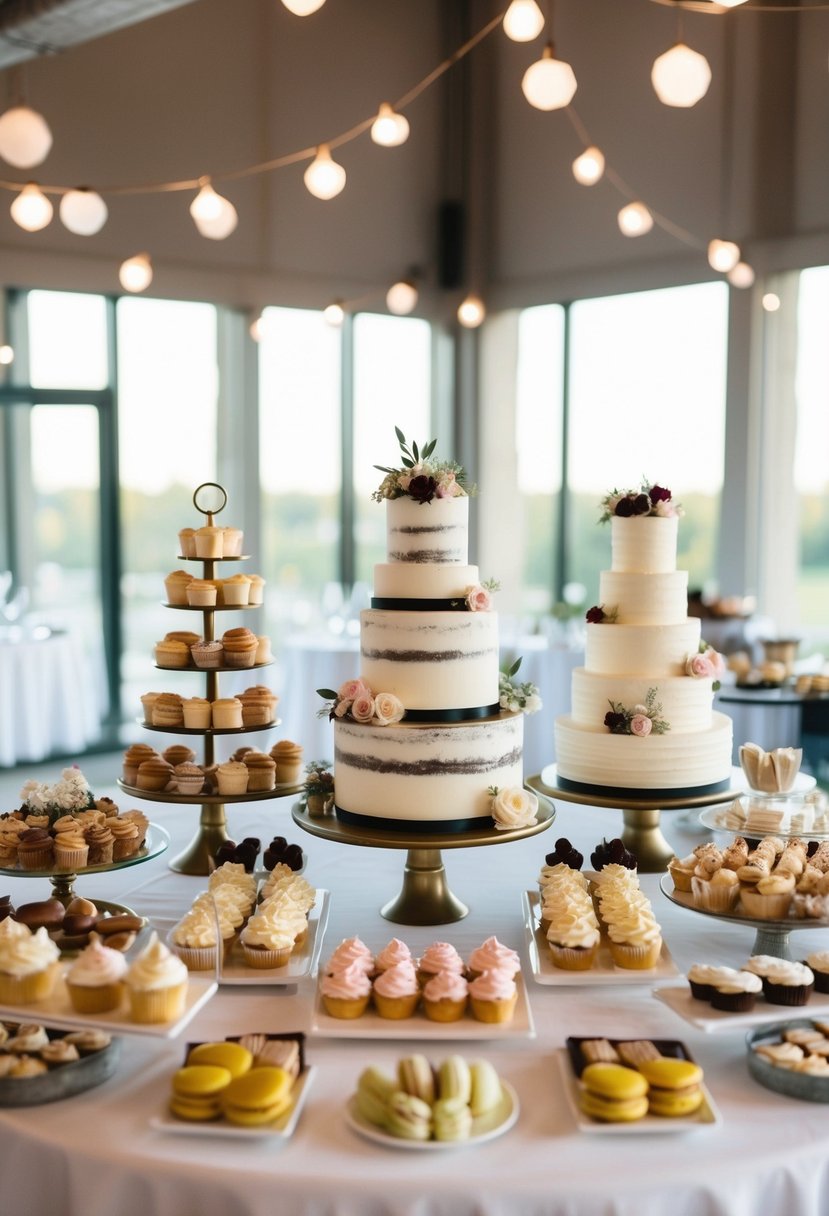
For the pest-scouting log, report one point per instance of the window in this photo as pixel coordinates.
(811, 461)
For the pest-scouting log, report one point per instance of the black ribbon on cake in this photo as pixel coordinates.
(413, 605)
(649, 795)
(417, 827)
(471, 713)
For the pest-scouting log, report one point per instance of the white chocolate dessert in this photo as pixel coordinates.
(645, 660)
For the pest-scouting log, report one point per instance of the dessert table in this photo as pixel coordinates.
(96, 1153)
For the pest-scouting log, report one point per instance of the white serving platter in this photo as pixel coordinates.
(603, 972)
(487, 1127)
(301, 963)
(281, 1129)
(718, 1021)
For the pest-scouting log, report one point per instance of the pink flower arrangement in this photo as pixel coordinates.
(641, 725)
(707, 663)
(641, 721)
(647, 499)
(355, 700)
(478, 599)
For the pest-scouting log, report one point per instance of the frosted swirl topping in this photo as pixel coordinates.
(24, 955)
(575, 929)
(789, 975)
(818, 960)
(231, 915)
(197, 928)
(263, 933)
(392, 954)
(281, 912)
(441, 956)
(703, 973)
(11, 929)
(348, 984)
(493, 954)
(351, 951)
(97, 965)
(741, 981)
(235, 874)
(298, 888)
(156, 968)
(496, 985)
(446, 986)
(637, 928)
(761, 964)
(399, 980)
(559, 873)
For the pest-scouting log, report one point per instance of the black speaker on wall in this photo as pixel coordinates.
(451, 231)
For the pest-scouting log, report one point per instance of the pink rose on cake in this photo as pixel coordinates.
(478, 599)
(388, 709)
(699, 665)
(641, 725)
(513, 808)
(362, 707)
(352, 689)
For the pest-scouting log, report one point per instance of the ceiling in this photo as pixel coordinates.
(29, 28)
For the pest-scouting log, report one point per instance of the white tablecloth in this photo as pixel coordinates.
(47, 702)
(96, 1155)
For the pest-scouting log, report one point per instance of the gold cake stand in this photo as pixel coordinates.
(425, 897)
(642, 833)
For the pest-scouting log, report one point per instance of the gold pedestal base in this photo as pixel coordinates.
(425, 898)
(642, 834)
(63, 888)
(198, 857)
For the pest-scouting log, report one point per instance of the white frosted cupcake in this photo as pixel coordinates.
(95, 981)
(157, 984)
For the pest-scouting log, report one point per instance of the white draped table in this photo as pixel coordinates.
(96, 1154)
(47, 702)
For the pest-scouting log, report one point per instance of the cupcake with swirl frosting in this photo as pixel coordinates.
(396, 991)
(28, 963)
(345, 993)
(439, 956)
(350, 951)
(156, 984)
(445, 997)
(493, 996)
(491, 955)
(95, 979)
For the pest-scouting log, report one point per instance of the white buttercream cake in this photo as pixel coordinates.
(639, 661)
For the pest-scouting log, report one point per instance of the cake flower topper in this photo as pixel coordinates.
(600, 615)
(524, 697)
(707, 662)
(648, 499)
(421, 478)
(478, 597)
(513, 807)
(356, 701)
(642, 720)
(71, 793)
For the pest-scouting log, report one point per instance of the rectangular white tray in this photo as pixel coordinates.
(603, 971)
(371, 1026)
(301, 963)
(717, 1021)
(57, 1010)
(282, 1129)
(707, 1116)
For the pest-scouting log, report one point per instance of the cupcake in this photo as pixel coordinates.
(133, 756)
(573, 935)
(736, 993)
(492, 955)
(35, 849)
(261, 770)
(240, 647)
(257, 590)
(126, 838)
(818, 964)
(439, 956)
(264, 653)
(681, 871)
(227, 713)
(345, 993)
(635, 939)
(396, 991)
(493, 996)
(154, 774)
(28, 963)
(232, 540)
(209, 542)
(395, 952)
(236, 591)
(703, 979)
(101, 842)
(187, 542)
(156, 984)
(196, 712)
(95, 979)
(202, 593)
(445, 997)
(178, 753)
(769, 898)
(232, 778)
(207, 654)
(288, 758)
(167, 711)
(350, 951)
(195, 939)
(71, 849)
(788, 983)
(189, 778)
(148, 700)
(176, 585)
(719, 893)
(170, 653)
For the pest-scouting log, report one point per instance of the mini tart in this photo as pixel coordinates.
(681, 872)
(719, 893)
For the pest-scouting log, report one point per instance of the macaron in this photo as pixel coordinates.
(232, 1056)
(196, 1091)
(417, 1078)
(452, 1119)
(374, 1088)
(612, 1093)
(409, 1117)
(259, 1096)
(485, 1087)
(675, 1086)
(454, 1079)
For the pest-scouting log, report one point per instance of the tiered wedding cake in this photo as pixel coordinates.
(420, 740)
(641, 715)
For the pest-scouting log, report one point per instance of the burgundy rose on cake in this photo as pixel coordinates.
(355, 700)
(647, 499)
(642, 720)
(512, 808)
(599, 615)
(421, 477)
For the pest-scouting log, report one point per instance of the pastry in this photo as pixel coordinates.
(351, 950)
(288, 758)
(71, 849)
(133, 757)
(493, 996)
(189, 778)
(28, 1037)
(345, 993)
(167, 711)
(209, 542)
(28, 964)
(261, 769)
(207, 654)
(455, 1079)
(818, 964)
(232, 778)
(769, 898)
(172, 653)
(154, 774)
(232, 540)
(148, 700)
(492, 954)
(439, 956)
(176, 585)
(395, 952)
(485, 1087)
(236, 591)
(196, 1091)
(59, 1052)
(396, 991)
(416, 1077)
(202, 593)
(283, 1053)
(100, 839)
(451, 1119)
(257, 593)
(408, 1117)
(736, 993)
(374, 1089)
(90, 1040)
(240, 647)
(196, 712)
(258, 1097)
(187, 542)
(156, 984)
(674, 1086)
(786, 983)
(264, 654)
(228, 1054)
(266, 941)
(718, 892)
(595, 1051)
(681, 871)
(35, 849)
(227, 713)
(95, 980)
(195, 938)
(612, 1093)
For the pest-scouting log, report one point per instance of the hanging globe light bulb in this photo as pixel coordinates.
(324, 177)
(771, 302)
(389, 128)
(334, 314)
(136, 273)
(723, 255)
(401, 298)
(214, 216)
(303, 8)
(25, 138)
(31, 208)
(257, 328)
(472, 312)
(523, 21)
(635, 219)
(589, 167)
(681, 76)
(741, 275)
(549, 83)
(83, 211)
(6, 355)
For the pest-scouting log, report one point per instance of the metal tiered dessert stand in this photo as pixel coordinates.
(425, 897)
(212, 830)
(642, 832)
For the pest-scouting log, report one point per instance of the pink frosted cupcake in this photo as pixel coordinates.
(493, 996)
(493, 955)
(345, 993)
(396, 991)
(392, 954)
(351, 951)
(440, 956)
(445, 997)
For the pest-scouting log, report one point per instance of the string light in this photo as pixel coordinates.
(25, 138)
(389, 129)
(324, 177)
(635, 219)
(401, 298)
(214, 216)
(303, 8)
(334, 314)
(523, 21)
(723, 255)
(741, 275)
(771, 301)
(31, 209)
(471, 312)
(681, 76)
(549, 83)
(589, 167)
(6, 355)
(136, 273)
(83, 211)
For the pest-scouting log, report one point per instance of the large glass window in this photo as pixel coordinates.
(67, 340)
(811, 471)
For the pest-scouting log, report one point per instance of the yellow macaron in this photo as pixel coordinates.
(232, 1056)
(612, 1093)
(675, 1086)
(259, 1096)
(196, 1091)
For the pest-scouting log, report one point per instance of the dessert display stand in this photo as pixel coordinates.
(197, 857)
(425, 897)
(642, 832)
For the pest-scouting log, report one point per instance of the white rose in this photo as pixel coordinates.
(514, 808)
(532, 704)
(388, 709)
